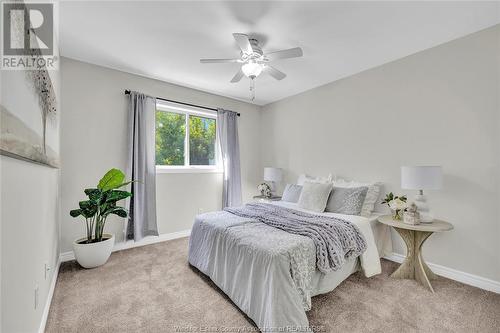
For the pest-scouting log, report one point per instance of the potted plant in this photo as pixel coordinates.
(95, 249)
(397, 205)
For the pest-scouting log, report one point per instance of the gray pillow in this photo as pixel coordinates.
(346, 200)
(314, 196)
(291, 193)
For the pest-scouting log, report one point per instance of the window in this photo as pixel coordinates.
(186, 139)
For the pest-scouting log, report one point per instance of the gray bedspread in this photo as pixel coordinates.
(269, 273)
(335, 240)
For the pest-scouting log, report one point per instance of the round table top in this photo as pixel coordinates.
(434, 226)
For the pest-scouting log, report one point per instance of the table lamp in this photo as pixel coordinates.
(422, 178)
(273, 175)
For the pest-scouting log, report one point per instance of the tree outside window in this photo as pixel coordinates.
(172, 142)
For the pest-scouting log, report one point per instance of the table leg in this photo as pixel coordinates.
(407, 269)
(414, 266)
(430, 274)
(421, 269)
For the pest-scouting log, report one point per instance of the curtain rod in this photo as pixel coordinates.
(127, 92)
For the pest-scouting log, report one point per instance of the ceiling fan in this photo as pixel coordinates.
(254, 61)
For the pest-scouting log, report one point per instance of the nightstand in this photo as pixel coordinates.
(414, 237)
(262, 198)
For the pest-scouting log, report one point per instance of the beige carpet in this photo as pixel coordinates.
(153, 289)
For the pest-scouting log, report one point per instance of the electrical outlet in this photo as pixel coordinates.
(46, 271)
(36, 297)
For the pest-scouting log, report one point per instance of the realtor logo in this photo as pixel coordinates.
(28, 35)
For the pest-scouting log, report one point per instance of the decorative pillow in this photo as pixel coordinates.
(305, 178)
(291, 193)
(345, 200)
(314, 196)
(371, 196)
(371, 199)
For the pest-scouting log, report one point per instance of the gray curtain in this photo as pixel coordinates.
(142, 166)
(227, 129)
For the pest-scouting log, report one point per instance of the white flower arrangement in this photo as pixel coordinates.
(397, 204)
(264, 190)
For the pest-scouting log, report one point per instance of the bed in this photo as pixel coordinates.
(271, 274)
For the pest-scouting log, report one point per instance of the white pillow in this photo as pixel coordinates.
(291, 193)
(303, 178)
(314, 196)
(371, 196)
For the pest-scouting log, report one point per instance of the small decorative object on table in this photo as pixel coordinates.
(397, 204)
(411, 215)
(264, 190)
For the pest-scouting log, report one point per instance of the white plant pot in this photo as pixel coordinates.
(93, 254)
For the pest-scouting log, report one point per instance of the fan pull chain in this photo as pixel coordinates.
(252, 89)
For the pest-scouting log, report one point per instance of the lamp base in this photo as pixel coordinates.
(272, 186)
(426, 215)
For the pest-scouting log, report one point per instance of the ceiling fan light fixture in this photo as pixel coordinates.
(252, 69)
(254, 61)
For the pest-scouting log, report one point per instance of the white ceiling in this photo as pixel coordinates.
(165, 40)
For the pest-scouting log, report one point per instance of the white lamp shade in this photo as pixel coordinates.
(421, 177)
(273, 174)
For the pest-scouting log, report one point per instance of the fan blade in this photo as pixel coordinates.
(283, 54)
(237, 77)
(278, 75)
(217, 61)
(243, 43)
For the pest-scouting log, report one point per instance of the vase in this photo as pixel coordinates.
(397, 214)
(90, 255)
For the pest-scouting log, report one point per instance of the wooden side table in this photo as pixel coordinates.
(263, 198)
(414, 237)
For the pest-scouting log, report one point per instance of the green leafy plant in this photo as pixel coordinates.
(390, 196)
(101, 203)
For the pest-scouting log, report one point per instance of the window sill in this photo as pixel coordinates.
(187, 170)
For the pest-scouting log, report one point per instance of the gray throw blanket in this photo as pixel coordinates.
(336, 240)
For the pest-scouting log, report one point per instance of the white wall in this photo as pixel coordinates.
(93, 132)
(29, 219)
(30, 238)
(439, 106)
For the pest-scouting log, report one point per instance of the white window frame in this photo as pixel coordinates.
(186, 168)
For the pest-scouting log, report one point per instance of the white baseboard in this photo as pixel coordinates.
(48, 301)
(453, 274)
(68, 256)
